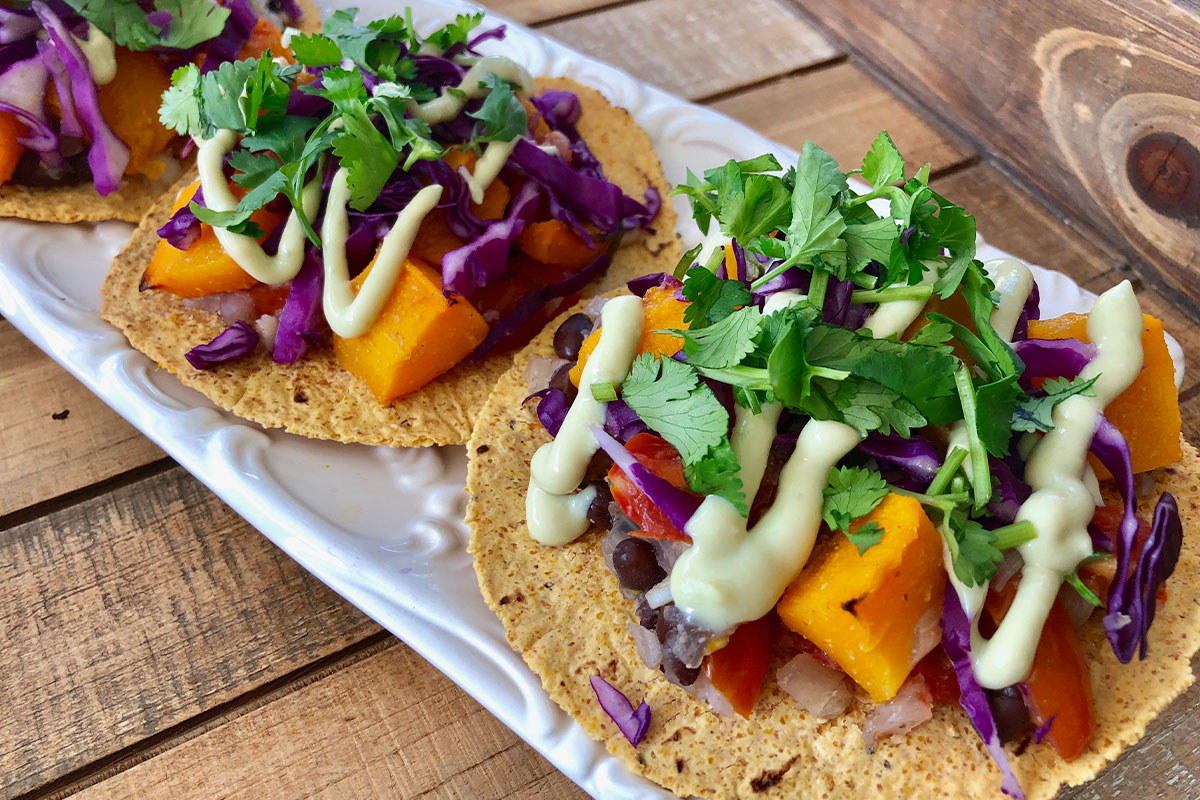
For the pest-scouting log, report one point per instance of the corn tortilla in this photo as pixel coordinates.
(561, 609)
(79, 202)
(315, 397)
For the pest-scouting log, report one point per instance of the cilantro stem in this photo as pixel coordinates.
(946, 503)
(816, 289)
(941, 480)
(1081, 587)
(1014, 535)
(981, 476)
(920, 292)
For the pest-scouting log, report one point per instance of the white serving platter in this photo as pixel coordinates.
(381, 526)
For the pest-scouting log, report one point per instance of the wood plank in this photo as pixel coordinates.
(1007, 217)
(134, 611)
(842, 109)
(697, 48)
(385, 726)
(532, 12)
(55, 435)
(1095, 103)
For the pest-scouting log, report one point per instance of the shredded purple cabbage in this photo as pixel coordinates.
(16, 25)
(956, 640)
(622, 421)
(456, 198)
(552, 408)
(580, 196)
(533, 302)
(69, 123)
(236, 341)
(1008, 493)
(916, 455)
(108, 155)
(1053, 358)
(837, 301)
(227, 44)
(1031, 310)
(561, 110)
(481, 261)
(1131, 598)
(677, 504)
(1043, 730)
(437, 72)
(183, 229)
(793, 278)
(301, 314)
(644, 283)
(633, 724)
(23, 94)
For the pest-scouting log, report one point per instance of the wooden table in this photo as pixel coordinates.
(156, 646)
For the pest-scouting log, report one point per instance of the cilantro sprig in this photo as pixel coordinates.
(853, 493)
(192, 22)
(369, 131)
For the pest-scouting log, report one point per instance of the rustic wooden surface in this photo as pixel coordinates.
(158, 647)
(1096, 103)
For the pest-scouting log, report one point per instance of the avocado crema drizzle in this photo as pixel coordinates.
(731, 574)
(350, 314)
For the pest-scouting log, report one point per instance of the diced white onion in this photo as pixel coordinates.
(819, 690)
(648, 646)
(911, 706)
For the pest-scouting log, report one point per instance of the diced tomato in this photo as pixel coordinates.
(269, 298)
(1059, 687)
(939, 676)
(737, 669)
(663, 460)
(500, 296)
(1098, 575)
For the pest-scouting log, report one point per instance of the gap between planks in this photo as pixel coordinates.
(218, 715)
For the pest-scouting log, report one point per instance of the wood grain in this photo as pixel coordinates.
(532, 12)
(1095, 103)
(385, 726)
(842, 109)
(55, 435)
(697, 48)
(132, 612)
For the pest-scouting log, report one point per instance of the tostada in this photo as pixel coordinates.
(80, 86)
(377, 228)
(831, 511)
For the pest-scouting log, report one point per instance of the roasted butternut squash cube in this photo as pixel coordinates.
(204, 268)
(1147, 413)
(554, 242)
(862, 611)
(663, 312)
(11, 150)
(130, 106)
(419, 335)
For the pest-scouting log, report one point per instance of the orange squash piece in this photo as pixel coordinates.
(1147, 413)
(130, 106)
(11, 150)
(554, 242)
(204, 268)
(434, 238)
(419, 335)
(264, 37)
(862, 610)
(662, 311)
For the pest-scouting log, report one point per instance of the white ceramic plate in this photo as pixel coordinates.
(383, 527)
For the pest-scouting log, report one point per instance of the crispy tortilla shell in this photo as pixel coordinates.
(79, 202)
(561, 610)
(317, 398)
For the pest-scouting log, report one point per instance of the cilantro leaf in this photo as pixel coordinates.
(853, 493)
(501, 117)
(316, 50)
(867, 406)
(870, 241)
(192, 22)
(995, 404)
(236, 221)
(725, 343)
(816, 221)
(973, 549)
(711, 298)
(180, 109)
(457, 32)
(935, 335)
(675, 404)
(1035, 414)
(883, 164)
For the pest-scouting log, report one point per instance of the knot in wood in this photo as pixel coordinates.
(1164, 170)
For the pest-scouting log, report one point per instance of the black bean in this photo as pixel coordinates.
(568, 339)
(561, 380)
(1012, 716)
(635, 564)
(598, 467)
(647, 616)
(677, 672)
(597, 512)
